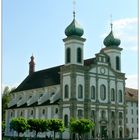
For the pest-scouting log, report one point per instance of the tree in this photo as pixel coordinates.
(5, 100)
(37, 125)
(3, 128)
(55, 125)
(19, 125)
(81, 126)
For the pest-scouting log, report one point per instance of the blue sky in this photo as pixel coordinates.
(37, 27)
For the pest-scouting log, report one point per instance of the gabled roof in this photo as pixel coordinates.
(40, 79)
(44, 78)
(131, 94)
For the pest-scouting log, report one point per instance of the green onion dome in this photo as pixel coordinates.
(74, 29)
(110, 40)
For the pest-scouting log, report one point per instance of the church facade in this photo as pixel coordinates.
(93, 88)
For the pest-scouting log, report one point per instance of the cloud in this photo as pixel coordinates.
(127, 30)
(132, 81)
(125, 23)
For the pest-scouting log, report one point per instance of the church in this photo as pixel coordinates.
(93, 88)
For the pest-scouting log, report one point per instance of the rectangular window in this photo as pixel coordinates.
(132, 120)
(92, 113)
(132, 130)
(112, 114)
(126, 111)
(80, 113)
(126, 120)
(132, 111)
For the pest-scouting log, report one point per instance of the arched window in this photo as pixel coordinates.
(43, 111)
(103, 92)
(66, 120)
(66, 92)
(120, 96)
(93, 92)
(68, 54)
(117, 63)
(113, 94)
(80, 91)
(79, 55)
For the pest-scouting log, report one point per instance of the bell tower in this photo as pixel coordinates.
(74, 43)
(113, 50)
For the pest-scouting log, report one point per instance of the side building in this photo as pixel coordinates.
(93, 88)
(131, 98)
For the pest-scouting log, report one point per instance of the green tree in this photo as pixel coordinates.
(37, 125)
(5, 100)
(55, 125)
(19, 125)
(3, 127)
(81, 126)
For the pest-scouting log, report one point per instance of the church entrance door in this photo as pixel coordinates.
(103, 131)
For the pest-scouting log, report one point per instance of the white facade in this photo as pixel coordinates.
(92, 88)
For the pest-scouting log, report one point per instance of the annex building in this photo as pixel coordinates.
(93, 88)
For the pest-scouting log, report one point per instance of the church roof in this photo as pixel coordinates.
(111, 41)
(35, 104)
(74, 29)
(40, 79)
(44, 78)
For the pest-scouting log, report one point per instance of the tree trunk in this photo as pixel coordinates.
(54, 136)
(36, 134)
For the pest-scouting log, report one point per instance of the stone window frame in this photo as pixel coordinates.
(79, 55)
(43, 111)
(66, 91)
(102, 92)
(112, 94)
(120, 115)
(68, 55)
(103, 114)
(117, 63)
(66, 120)
(93, 92)
(112, 114)
(80, 113)
(80, 91)
(120, 96)
(31, 112)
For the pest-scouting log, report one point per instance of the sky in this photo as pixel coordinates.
(37, 27)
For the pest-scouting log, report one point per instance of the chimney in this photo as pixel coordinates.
(31, 65)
